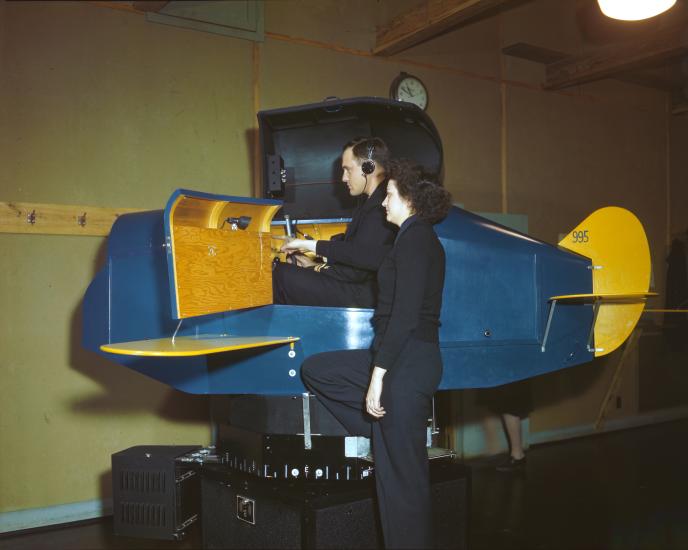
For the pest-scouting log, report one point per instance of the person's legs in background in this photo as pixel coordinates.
(517, 456)
(513, 403)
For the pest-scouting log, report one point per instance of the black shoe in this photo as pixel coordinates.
(511, 464)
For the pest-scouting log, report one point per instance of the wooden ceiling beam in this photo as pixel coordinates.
(523, 50)
(609, 62)
(149, 5)
(680, 108)
(649, 81)
(431, 19)
(546, 56)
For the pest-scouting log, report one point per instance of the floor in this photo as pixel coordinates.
(621, 490)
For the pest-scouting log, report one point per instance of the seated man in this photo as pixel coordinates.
(348, 277)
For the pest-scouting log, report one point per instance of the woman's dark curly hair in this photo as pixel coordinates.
(426, 196)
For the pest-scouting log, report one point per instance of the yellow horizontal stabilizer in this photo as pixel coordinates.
(609, 297)
(187, 346)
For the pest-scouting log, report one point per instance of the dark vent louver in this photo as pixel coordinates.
(143, 481)
(143, 514)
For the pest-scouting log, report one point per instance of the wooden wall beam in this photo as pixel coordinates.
(608, 62)
(431, 19)
(58, 219)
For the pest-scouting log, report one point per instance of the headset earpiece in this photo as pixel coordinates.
(368, 165)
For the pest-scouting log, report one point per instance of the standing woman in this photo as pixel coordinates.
(386, 392)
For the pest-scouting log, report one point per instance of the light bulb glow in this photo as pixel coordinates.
(634, 10)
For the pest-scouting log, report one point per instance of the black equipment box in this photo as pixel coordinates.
(154, 495)
(278, 456)
(275, 414)
(243, 511)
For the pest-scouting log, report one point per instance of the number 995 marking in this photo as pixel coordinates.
(580, 236)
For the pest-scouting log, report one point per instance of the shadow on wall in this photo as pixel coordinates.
(569, 383)
(105, 484)
(125, 391)
(472, 416)
(255, 168)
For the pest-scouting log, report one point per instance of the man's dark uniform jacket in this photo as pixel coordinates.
(348, 279)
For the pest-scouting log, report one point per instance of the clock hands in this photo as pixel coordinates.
(411, 89)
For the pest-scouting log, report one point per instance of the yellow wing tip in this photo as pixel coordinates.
(605, 297)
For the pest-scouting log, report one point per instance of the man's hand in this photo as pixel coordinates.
(373, 406)
(296, 249)
(302, 260)
(297, 245)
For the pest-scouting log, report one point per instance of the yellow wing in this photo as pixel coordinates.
(186, 346)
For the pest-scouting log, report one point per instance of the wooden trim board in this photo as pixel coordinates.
(58, 219)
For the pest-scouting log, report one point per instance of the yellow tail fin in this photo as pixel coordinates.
(614, 239)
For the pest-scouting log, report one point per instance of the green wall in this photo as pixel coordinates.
(99, 107)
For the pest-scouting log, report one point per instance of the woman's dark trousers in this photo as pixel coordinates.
(340, 381)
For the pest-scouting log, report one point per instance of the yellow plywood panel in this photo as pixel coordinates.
(614, 239)
(201, 212)
(219, 265)
(221, 270)
(186, 346)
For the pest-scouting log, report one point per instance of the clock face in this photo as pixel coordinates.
(411, 89)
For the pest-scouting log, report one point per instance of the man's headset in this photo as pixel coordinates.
(368, 165)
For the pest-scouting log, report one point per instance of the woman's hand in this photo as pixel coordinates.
(373, 406)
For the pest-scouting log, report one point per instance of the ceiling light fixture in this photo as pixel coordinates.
(634, 10)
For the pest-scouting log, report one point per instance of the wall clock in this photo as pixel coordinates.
(407, 87)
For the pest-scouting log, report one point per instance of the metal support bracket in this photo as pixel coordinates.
(549, 323)
(356, 446)
(307, 441)
(595, 311)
